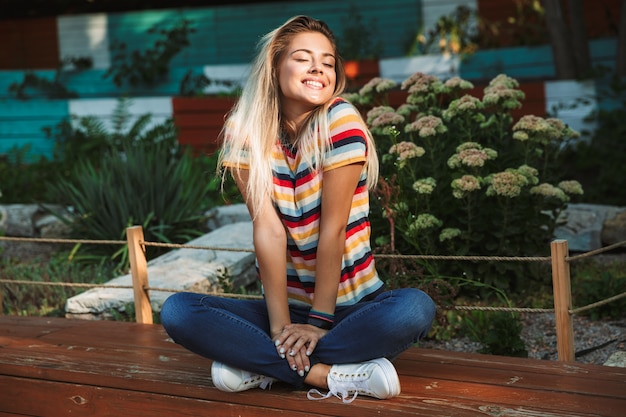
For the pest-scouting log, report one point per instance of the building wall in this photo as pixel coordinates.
(223, 46)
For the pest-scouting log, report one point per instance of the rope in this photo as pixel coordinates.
(259, 297)
(596, 251)
(598, 304)
(389, 256)
(469, 258)
(50, 240)
(63, 284)
(224, 295)
(507, 309)
(181, 246)
(382, 256)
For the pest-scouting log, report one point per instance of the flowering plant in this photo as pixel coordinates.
(460, 176)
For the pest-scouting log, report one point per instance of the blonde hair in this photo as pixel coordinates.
(254, 124)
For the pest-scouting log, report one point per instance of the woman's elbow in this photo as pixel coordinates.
(270, 235)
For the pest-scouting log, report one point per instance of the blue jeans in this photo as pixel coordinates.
(237, 332)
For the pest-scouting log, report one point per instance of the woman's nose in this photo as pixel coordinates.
(316, 67)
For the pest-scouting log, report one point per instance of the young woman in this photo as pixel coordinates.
(304, 161)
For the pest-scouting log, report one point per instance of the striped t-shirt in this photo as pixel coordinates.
(298, 200)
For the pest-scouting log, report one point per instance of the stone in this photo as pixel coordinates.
(17, 220)
(617, 359)
(182, 269)
(582, 224)
(219, 216)
(614, 230)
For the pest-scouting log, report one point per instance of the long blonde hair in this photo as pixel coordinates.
(254, 123)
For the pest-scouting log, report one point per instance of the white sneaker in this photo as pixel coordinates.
(376, 378)
(229, 379)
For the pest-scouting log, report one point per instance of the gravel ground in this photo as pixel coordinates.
(594, 341)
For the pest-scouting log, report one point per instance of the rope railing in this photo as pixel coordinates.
(559, 259)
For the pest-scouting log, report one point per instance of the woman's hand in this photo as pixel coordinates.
(296, 343)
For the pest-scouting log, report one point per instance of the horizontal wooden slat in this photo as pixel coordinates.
(79, 367)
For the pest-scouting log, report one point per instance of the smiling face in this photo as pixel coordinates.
(306, 75)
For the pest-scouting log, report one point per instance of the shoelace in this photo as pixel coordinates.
(266, 382)
(341, 390)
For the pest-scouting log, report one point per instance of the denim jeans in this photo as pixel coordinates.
(237, 332)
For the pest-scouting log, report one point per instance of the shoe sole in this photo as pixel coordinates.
(394, 382)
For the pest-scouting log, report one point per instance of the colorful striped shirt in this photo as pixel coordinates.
(298, 199)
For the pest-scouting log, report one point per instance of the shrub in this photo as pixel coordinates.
(599, 163)
(593, 281)
(139, 176)
(499, 333)
(460, 176)
(21, 180)
(145, 185)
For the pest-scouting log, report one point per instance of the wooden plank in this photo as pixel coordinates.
(200, 120)
(122, 363)
(120, 370)
(34, 327)
(423, 358)
(29, 44)
(51, 399)
(442, 394)
(510, 396)
(201, 104)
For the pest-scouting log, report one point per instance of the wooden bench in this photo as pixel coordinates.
(61, 367)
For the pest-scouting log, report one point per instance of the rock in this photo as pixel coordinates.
(617, 359)
(17, 219)
(220, 216)
(582, 225)
(614, 230)
(184, 269)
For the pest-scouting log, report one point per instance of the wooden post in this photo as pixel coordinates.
(562, 300)
(139, 273)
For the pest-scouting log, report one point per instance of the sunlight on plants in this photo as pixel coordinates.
(461, 176)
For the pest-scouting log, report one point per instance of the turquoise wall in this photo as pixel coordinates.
(228, 34)
(530, 62)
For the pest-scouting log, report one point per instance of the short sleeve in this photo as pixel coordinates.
(239, 160)
(348, 136)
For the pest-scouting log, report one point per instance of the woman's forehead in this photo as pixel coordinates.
(311, 42)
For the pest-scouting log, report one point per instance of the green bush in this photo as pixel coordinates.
(144, 184)
(598, 164)
(21, 180)
(593, 281)
(132, 175)
(459, 176)
(499, 333)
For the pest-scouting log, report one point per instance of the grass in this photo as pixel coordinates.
(42, 299)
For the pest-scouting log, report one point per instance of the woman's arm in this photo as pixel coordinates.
(300, 340)
(337, 194)
(270, 246)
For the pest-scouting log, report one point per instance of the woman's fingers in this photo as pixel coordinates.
(295, 344)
